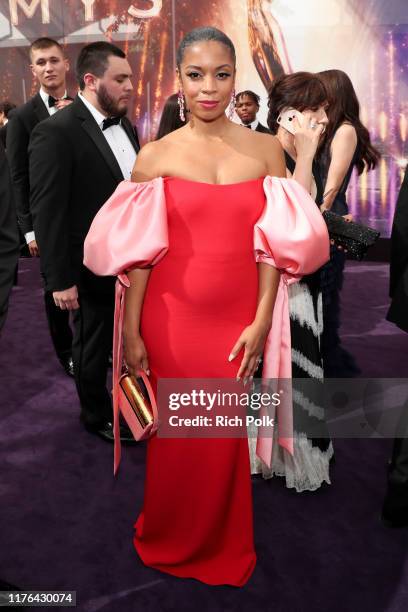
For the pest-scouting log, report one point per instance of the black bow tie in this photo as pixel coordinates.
(110, 121)
(52, 101)
(249, 127)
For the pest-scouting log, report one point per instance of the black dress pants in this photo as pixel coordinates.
(58, 324)
(396, 499)
(91, 348)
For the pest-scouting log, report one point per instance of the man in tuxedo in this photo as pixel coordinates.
(49, 66)
(247, 107)
(9, 238)
(395, 508)
(77, 159)
(5, 108)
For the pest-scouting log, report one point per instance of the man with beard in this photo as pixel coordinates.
(49, 67)
(77, 159)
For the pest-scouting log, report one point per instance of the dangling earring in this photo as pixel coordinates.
(231, 107)
(180, 101)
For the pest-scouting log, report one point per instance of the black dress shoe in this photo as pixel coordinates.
(68, 365)
(106, 433)
(395, 508)
(394, 522)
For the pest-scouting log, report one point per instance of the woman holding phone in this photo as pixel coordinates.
(297, 116)
(346, 146)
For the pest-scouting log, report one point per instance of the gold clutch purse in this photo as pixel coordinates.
(138, 405)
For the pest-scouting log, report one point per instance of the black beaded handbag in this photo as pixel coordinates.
(354, 238)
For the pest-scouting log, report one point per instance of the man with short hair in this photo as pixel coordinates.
(247, 107)
(77, 159)
(49, 66)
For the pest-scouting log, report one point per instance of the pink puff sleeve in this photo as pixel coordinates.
(292, 236)
(129, 231)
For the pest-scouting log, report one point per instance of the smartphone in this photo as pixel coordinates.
(285, 119)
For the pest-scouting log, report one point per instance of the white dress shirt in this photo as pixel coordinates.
(117, 139)
(45, 97)
(253, 125)
(30, 236)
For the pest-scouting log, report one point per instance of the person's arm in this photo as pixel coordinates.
(343, 147)
(306, 143)
(50, 164)
(17, 154)
(254, 336)
(9, 238)
(134, 350)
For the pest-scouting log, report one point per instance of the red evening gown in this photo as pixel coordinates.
(197, 514)
(203, 241)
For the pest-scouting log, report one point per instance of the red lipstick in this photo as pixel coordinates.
(208, 103)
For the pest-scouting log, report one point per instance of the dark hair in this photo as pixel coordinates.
(6, 107)
(94, 58)
(344, 107)
(44, 43)
(206, 33)
(170, 118)
(299, 90)
(251, 94)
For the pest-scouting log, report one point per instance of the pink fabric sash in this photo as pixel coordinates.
(120, 289)
(292, 236)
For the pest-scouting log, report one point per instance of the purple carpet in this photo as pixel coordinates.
(66, 523)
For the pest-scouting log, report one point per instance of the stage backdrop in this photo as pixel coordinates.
(366, 38)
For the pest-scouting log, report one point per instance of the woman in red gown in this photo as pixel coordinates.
(201, 298)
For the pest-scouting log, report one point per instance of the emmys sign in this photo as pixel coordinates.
(86, 20)
(28, 9)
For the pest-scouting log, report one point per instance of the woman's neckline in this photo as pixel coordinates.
(178, 178)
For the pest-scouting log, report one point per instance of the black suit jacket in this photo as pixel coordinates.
(262, 128)
(21, 123)
(398, 312)
(9, 238)
(3, 135)
(73, 171)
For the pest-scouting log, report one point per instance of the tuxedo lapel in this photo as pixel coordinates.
(40, 110)
(131, 133)
(262, 128)
(94, 132)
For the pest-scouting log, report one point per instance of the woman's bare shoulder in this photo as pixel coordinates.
(345, 138)
(273, 154)
(268, 140)
(266, 148)
(346, 131)
(260, 139)
(148, 161)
